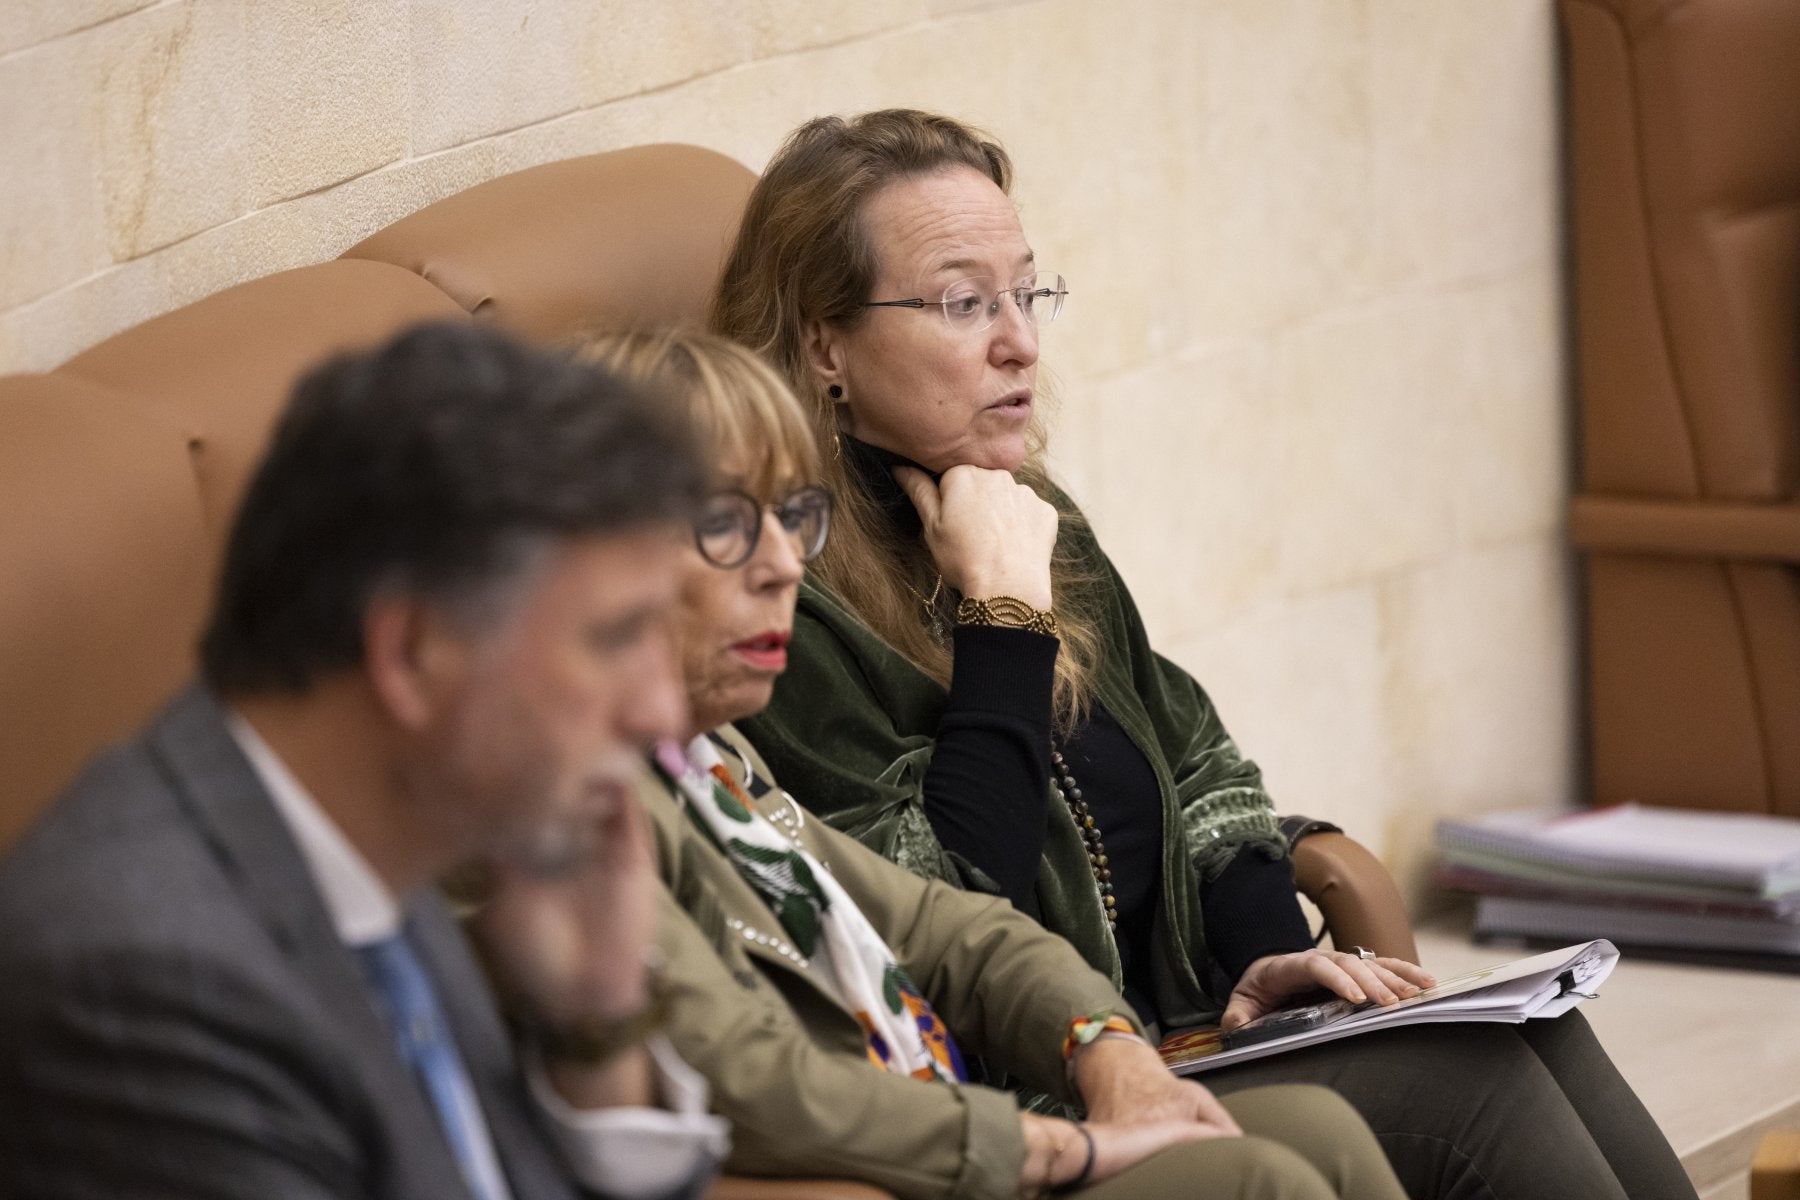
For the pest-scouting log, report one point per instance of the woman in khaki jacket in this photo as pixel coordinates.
(828, 995)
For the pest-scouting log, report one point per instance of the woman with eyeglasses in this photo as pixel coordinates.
(972, 694)
(823, 990)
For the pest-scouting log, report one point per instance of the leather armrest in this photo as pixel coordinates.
(1775, 1175)
(1686, 528)
(1357, 896)
(742, 1187)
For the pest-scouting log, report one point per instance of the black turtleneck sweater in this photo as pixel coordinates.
(989, 781)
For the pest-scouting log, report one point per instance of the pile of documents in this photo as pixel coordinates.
(1639, 876)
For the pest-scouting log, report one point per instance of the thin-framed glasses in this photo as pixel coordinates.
(971, 305)
(731, 524)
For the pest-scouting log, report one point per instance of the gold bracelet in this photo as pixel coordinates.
(1008, 611)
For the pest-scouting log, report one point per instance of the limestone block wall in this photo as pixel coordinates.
(1312, 373)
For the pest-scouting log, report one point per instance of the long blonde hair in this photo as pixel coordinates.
(803, 254)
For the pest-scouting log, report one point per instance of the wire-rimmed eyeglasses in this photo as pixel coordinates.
(971, 305)
(731, 524)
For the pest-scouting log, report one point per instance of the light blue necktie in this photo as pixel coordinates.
(425, 1043)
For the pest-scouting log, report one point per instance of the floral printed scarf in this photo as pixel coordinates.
(903, 1032)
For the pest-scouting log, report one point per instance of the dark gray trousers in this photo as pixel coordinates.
(1490, 1112)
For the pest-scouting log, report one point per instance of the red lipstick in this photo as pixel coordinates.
(766, 651)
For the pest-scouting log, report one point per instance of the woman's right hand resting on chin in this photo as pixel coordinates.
(989, 534)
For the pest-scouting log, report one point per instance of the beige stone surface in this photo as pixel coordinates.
(1187, 490)
(336, 111)
(52, 222)
(1103, 191)
(1507, 403)
(175, 111)
(783, 26)
(1465, 147)
(632, 47)
(1297, 684)
(943, 7)
(1281, 229)
(1474, 723)
(478, 69)
(39, 335)
(36, 22)
(1420, 424)
(1358, 400)
(743, 112)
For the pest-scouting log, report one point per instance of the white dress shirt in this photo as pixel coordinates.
(624, 1152)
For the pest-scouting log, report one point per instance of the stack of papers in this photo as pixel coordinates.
(1654, 877)
(1545, 985)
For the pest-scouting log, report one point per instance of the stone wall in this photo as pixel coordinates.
(1312, 373)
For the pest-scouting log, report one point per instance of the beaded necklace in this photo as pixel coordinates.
(1090, 833)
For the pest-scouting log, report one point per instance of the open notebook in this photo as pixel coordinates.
(1544, 985)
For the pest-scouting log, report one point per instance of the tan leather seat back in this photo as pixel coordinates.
(632, 238)
(106, 560)
(1685, 121)
(120, 472)
(222, 367)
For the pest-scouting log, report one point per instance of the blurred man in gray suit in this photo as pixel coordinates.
(438, 640)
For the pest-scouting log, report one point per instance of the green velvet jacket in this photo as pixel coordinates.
(852, 727)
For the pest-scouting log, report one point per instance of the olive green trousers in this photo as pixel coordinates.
(1299, 1143)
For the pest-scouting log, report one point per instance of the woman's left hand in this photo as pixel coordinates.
(1271, 981)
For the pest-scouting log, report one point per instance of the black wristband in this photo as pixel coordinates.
(1087, 1168)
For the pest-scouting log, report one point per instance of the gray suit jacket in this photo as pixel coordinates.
(178, 1017)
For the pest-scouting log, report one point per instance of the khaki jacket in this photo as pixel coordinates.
(787, 1064)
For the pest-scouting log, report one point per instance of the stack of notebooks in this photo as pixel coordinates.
(1655, 878)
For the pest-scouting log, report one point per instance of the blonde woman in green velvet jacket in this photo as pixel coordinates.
(826, 1065)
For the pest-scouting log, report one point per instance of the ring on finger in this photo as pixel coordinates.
(1364, 953)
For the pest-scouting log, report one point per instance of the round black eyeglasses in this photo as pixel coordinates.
(731, 524)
